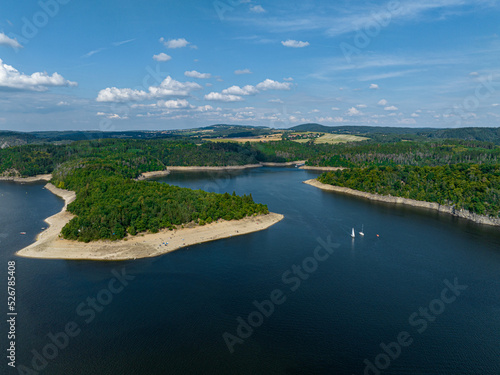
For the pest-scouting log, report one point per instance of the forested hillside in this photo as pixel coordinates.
(152, 155)
(469, 186)
(109, 204)
(140, 155)
(442, 152)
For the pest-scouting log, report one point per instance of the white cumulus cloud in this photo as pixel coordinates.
(216, 96)
(373, 86)
(169, 87)
(162, 57)
(195, 74)
(391, 108)
(257, 9)
(113, 116)
(353, 112)
(279, 101)
(269, 84)
(295, 43)
(383, 102)
(235, 93)
(174, 104)
(10, 77)
(236, 90)
(9, 42)
(205, 108)
(175, 43)
(242, 71)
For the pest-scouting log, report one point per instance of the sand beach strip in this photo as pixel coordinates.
(49, 244)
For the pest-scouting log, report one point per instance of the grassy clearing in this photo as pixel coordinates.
(339, 138)
(260, 138)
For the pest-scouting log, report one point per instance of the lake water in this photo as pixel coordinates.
(171, 315)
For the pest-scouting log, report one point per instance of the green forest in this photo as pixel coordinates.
(465, 186)
(110, 205)
(150, 155)
(430, 153)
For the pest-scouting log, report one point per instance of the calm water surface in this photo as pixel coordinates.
(170, 319)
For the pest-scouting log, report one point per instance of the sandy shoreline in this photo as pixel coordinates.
(321, 168)
(169, 169)
(479, 219)
(37, 178)
(286, 164)
(49, 245)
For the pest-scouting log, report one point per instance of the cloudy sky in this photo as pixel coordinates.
(120, 65)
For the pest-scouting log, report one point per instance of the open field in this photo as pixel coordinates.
(339, 138)
(260, 138)
(329, 138)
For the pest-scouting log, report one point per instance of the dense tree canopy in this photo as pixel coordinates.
(109, 204)
(365, 154)
(469, 186)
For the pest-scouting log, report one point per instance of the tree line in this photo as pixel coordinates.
(110, 205)
(473, 187)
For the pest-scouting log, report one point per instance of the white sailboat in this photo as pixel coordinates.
(352, 233)
(362, 233)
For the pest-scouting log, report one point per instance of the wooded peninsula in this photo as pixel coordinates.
(111, 204)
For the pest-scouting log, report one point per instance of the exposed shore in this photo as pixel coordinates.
(49, 245)
(325, 169)
(169, 169)
(480, 219)
(37, 178)
(287, 164)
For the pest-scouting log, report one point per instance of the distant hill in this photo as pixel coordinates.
(11, 138)
(471, 134)
(376, 133)
(364, 130)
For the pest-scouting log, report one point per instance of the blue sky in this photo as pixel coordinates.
(121, 65)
